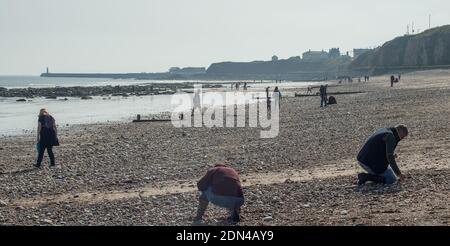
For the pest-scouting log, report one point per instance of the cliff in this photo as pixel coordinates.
(430, 49)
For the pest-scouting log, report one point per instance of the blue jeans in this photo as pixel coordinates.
(389, 174)
(229, 202)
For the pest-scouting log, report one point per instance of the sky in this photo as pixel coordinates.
(153, 35)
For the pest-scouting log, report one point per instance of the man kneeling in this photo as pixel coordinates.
(222, 187)
(377, 156)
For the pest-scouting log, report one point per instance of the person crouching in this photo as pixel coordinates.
(377, 156)
(222, 187)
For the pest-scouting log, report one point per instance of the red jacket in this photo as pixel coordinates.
(223, 180)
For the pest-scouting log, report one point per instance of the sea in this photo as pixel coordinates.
(20, 118)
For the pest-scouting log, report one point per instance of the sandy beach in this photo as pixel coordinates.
(146, 173)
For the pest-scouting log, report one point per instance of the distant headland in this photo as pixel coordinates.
(426, 50)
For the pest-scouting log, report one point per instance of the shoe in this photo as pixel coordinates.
(376, 179)
(197, 221)
(362, 178)
(37, 166)
(235, 217)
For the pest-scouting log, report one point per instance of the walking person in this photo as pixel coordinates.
(46, 137)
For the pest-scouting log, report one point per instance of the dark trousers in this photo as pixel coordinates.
(50, 155)
(323, 101)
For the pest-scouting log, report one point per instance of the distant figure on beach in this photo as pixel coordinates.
(377, 156)
(221, 186)
(399, 77)
(277, 97)
(245, 86)
(196, 102)
(46, 137)
(309, 90)
(268, 98)
(332, 100)
(323, 96)
(237, 86)
(392, 80)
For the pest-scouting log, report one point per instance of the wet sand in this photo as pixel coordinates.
(145, 173)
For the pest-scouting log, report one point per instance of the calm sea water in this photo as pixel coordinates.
(17, 118)
(41, 82)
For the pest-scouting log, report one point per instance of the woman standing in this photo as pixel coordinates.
(46, 137)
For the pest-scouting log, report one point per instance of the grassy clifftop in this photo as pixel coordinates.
(427, 49)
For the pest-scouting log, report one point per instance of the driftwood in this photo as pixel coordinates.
(139, 119)
(152, 120)
(331, 93)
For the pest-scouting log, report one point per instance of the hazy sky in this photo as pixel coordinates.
(153, 35)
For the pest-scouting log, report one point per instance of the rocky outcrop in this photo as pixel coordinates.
(139, 90)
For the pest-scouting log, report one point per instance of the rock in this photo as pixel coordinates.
(86, 98)
(267, 218)
(3, 204)
(288, 181)
(47, 221)
(344, 212)
(21, 100)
